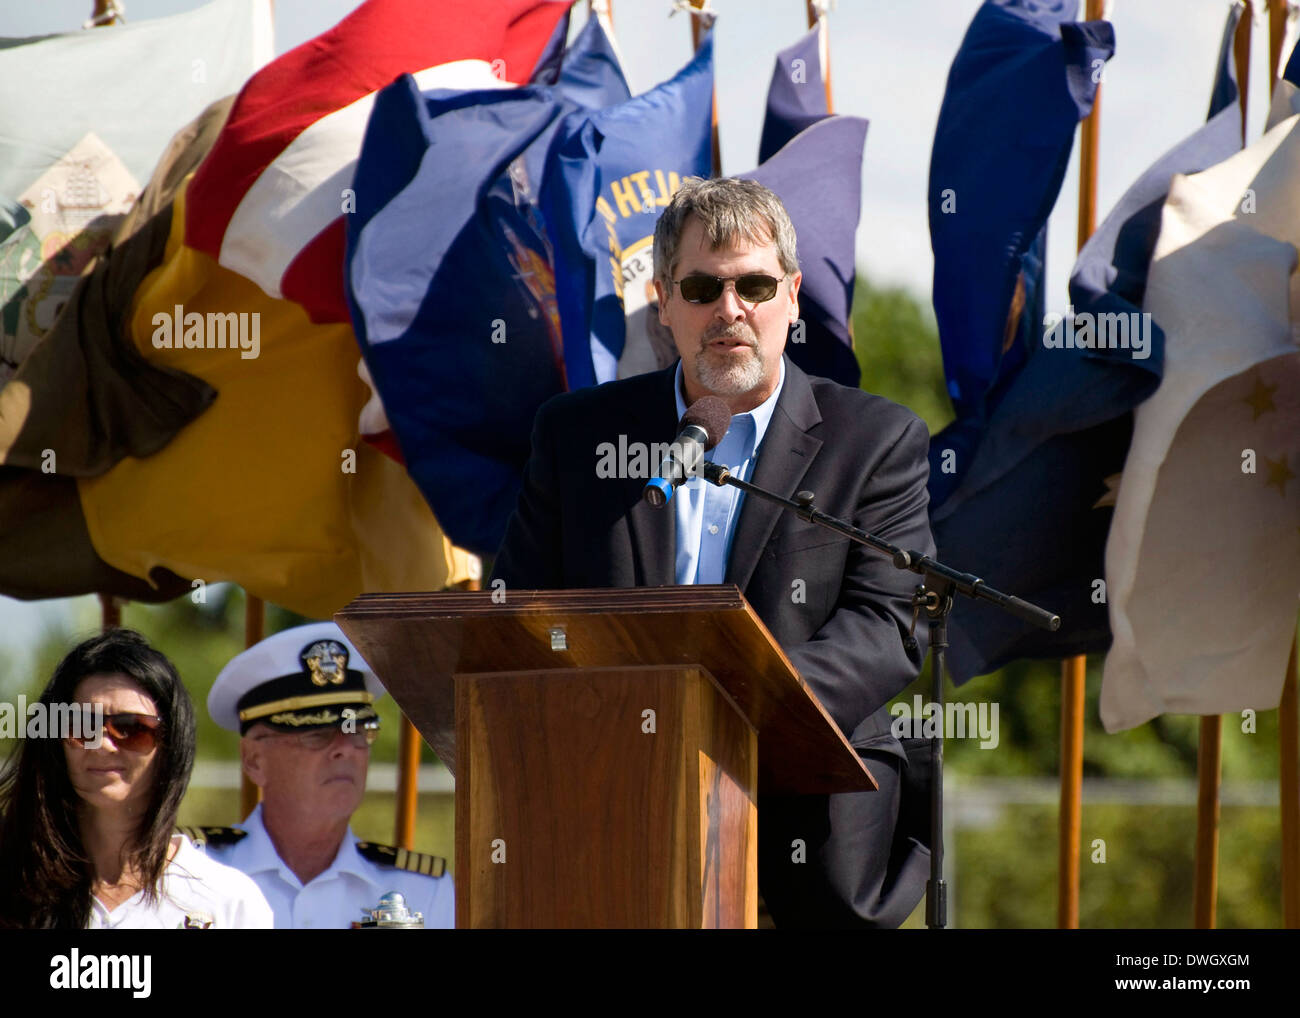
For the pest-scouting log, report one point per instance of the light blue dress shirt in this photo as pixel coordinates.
(707, 513)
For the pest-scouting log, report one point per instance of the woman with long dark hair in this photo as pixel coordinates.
(87, 824)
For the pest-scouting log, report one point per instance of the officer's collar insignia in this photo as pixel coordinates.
(326, 661)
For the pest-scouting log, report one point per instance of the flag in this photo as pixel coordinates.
(460, 270)
(270, 200)
(75, 151)
(1203, 556)
(813, 162)
(586, 75)
(75, 397)
(796, 96)
(1049, 458)
(84, 398)
(1024, 77)
(1286, 93)
(453, 296)
(611, 173)
(271, 487)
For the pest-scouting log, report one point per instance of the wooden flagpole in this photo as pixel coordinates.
(409, 745)
(1074, 669)
(1288, 722)
(408, 784)
(1288, 752)
(110, 612)
(254, 629)
(105, 9)
(110, 607)
(697, 33)
(823, 48)
(1209, 756)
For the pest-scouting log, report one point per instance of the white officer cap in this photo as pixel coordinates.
(298, 679)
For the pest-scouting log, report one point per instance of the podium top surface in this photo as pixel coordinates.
(416, 643)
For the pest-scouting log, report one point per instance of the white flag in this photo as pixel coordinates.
(1203, 557)
(86, 117)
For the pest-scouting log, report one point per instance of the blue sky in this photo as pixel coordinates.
(889, 63)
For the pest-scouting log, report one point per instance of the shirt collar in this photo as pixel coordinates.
(762, 413)
(262, 856)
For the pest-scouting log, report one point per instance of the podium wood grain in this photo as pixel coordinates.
(608, 746)
(571, 813)
(417, 642)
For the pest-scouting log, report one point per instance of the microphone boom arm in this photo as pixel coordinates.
(965, 583)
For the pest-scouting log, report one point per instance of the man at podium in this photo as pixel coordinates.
(727, 281)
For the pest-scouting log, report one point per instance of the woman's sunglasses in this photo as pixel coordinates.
(135, 732)
(753, 287)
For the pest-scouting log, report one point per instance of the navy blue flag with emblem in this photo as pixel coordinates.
(450, 281)
(612, 172)
(813, 161)
(1030, 509)
(1025, 75)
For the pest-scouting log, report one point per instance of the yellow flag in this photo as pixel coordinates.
(271, 487)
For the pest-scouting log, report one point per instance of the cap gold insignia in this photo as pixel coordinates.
(326, 662)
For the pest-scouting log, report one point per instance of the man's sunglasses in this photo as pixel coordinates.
(753, 287)
(135, 732)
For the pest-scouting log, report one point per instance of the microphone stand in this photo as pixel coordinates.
(934, 596)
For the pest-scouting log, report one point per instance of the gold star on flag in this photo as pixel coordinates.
(1112, 492)
(1261, 398)
(1278, 473)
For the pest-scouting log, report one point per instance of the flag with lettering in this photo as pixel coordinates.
(451, 282)
(612, 172)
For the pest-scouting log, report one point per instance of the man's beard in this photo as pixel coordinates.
(728, 374)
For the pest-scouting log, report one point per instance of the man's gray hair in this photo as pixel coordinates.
(730, 210)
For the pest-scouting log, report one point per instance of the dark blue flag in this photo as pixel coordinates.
(813, 161)
(450, 280)
(818, 177)
(796, 98)
(612, 172)
(1025, 74)
(1032, 507)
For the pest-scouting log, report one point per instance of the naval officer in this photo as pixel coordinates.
(303, 703)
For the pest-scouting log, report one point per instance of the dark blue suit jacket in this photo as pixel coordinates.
(864, 457)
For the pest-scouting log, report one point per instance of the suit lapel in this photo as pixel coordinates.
(654, 531)
(784, 458)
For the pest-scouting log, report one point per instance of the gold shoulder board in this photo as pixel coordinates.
(213, 836)
(402, 859)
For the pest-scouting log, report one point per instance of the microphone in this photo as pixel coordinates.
(700, 429)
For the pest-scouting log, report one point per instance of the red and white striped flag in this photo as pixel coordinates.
(268, 202)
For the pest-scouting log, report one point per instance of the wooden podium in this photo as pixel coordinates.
(608, 746)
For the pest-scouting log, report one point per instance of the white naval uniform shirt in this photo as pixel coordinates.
(334, 899)
(194, 887)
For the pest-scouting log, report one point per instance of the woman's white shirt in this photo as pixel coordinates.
(197, 893)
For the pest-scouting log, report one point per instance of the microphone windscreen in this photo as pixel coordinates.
(712, 415)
